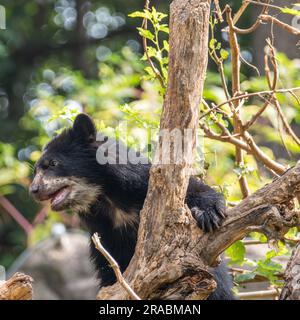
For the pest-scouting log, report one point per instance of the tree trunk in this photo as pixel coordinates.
(162, 266)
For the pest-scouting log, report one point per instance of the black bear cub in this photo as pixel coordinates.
(109, 197)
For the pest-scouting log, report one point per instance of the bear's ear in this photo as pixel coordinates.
(84, 128)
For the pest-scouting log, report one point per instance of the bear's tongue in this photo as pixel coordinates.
(60, 196)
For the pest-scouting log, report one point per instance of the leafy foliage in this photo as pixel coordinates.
(158, 50)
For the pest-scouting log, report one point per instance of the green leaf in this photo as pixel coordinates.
(140, 14)
(236, 253)
(212, 43)
(151, 53)
(291, 11)
(165, 73)
(166, 45)
(224, 54)
(268, 268)
(292, 233)
(271, 254)
(150, 72)
(146, 34)
(165, 60)
(245, 276)
(154, 15)
(163, 28)
(161, 16)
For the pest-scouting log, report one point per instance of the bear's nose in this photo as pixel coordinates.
(34, 188)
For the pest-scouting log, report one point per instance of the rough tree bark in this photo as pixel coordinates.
(18, 287)
(172, 254)
(291, 290)
(161, 256)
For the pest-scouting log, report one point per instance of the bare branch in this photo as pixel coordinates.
(249, 95)
(262, 212)
(237, 123)
(218, 10)
(256, 24)
(113, 263)
(263, 157)
(281, 24)
(229, 138)
(285, 123)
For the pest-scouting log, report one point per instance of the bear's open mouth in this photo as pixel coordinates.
(59, 197)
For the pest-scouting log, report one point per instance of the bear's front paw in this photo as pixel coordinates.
(209, 219)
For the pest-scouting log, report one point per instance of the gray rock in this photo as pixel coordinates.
(60, 267)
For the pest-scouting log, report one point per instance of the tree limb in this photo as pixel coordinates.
(161, 267)
(264, 211)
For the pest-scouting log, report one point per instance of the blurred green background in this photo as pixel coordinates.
(58, 58)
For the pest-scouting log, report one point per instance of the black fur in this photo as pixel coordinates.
(124, 187)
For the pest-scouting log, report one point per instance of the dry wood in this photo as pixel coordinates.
(18, 287)
(114, 265)
(254, 295)
(281, 24)
(264, 211)
(162, 267)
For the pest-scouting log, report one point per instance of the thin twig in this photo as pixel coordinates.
(256, 24)
(249, 146)
(250, 65)
(223, 129)
(218, 10)
(285, 123)
(275, 101)
(259, 294)
(249, 124)
(263, 157)
(264, 4)
(249, 95)
(219, 63)
(113, 263)
(230, 139)
(240, 12)
(145, 47)
(281, 24)
(272, 86)
(251, 242)
(237, 123)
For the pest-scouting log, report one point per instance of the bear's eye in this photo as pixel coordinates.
(53, 163)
